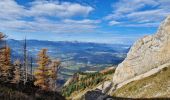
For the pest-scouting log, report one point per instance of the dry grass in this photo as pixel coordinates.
(157, 85)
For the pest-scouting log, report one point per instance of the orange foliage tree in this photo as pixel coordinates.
(17, 72)
(53, 71)
(41, 73)
(6, 63)
(2, 36)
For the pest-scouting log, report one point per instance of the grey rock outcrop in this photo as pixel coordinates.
(147, 53)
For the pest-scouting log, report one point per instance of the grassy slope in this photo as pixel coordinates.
(157, 85)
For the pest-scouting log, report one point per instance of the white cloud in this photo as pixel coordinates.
(48, 26)
(148, 16)
(84, 21)
(139, 12)
(124, 7)
(141, 24)
(36, 17)
(114, 22)
(57, 9)
(10, 10)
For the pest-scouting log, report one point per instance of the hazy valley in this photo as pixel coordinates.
(75, 56)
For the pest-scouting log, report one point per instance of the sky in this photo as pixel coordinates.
(100, 21)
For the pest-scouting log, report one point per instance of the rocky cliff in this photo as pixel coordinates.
(147, 53)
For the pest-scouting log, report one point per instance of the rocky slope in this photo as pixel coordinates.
(154, 86)
(147, 53)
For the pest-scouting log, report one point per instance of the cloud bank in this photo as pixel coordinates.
(46, 16)
(138, 13)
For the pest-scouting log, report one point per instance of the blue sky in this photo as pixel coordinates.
(102, 21)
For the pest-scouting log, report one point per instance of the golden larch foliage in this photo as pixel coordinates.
(17, 72)
(6, 61)
(41, 73)
(2, 36)
(53, 71)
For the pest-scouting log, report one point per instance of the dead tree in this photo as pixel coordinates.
(25, 65)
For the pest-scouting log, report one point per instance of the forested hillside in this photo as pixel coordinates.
(82, 82)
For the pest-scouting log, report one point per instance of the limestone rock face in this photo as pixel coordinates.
(147, 53)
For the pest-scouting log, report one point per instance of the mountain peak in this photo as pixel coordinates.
(164, 28)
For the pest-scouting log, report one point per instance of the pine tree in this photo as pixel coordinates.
(41, 73)
(17, 73)
(53, 71)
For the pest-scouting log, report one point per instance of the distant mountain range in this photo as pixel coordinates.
(75, 56)
(77, 51)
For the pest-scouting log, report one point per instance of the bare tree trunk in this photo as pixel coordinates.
(25, 62)
(31, 72)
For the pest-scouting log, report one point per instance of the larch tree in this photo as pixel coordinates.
(2, 58)
(53, 71)
(41, 73)
(2, 48)
(17, 72)
(6, 63)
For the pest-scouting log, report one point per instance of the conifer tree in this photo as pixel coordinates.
(6, 62)
(53, 71)
(17, 72)
(6, 67)
(2, 48)
(41, 73)
(1, 60)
